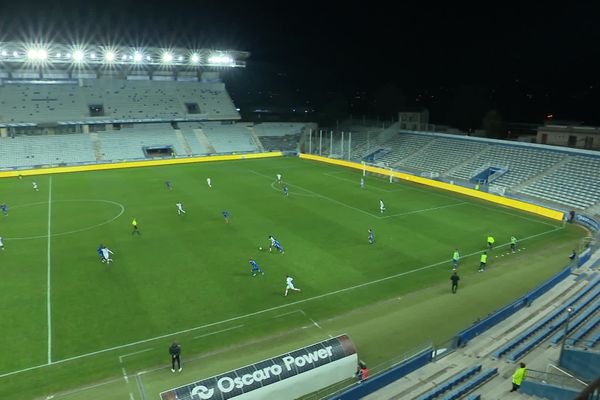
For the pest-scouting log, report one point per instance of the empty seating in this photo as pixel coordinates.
(575, 183)
(460, 384)
(450, 383)
(471, 385)
(541, 330)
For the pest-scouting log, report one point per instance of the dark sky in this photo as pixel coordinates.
(525, 60)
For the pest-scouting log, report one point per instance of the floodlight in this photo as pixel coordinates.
(78, 55)
(124, 57)
(109, 56)
(4, 53)
(137, 56)
(195, 58)
(167, 57)
(93, 56)
(15, 54)
(148, 58)
(32, 54)
(58, 55)
(220, 59)
(180, 58)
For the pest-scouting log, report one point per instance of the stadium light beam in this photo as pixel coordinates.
(195, 58)
(220, 59)
(109, 56)
(137, 57)
(78, 56)
(167, 57)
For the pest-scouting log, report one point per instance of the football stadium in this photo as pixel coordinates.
(155, 245)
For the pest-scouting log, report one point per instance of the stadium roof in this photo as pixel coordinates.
(24, 55)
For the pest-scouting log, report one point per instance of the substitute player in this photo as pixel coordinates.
(455, 258)
(255, 268)
(490, 241)
(381, 206)
(136, 230)
(513, 243)
(289, 282)
(483, 261)
(180, 209)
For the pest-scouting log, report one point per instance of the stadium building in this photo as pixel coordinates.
(108, 109)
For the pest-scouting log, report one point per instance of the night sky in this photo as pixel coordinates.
(371, 58)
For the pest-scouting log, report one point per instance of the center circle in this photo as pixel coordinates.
(72, 218)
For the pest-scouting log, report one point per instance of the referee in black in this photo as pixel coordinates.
(175, 352)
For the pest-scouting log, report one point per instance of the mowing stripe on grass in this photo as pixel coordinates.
(48, 291)
(264, 311)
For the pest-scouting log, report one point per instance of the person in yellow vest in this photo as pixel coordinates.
(135, 227)
(482, 261)
(490, 241)
(518, 377)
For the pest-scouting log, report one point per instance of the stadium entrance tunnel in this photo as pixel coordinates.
(60, 218)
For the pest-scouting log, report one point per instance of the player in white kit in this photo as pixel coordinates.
(290, 285)
(209, 182)
(180, 209)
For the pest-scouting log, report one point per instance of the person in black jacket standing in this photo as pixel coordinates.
(454, 278)
(175, 351)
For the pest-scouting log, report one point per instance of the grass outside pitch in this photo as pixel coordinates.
(187, 276)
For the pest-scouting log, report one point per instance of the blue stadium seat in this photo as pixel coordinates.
(449, 384)
(471, 384)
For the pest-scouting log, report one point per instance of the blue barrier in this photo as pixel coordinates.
(591, 223)
(491, 320)
(584, 257)
(393, 374)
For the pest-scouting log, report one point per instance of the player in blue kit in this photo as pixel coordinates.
(168, 183)
(285, 190)
(275, 244)
(100, 252)
(4, 208)
(371, 236)
(226, 216)
(255, 268)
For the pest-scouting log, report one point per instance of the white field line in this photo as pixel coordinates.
(423, 210)
(121, 206)
(216, 332)
(320, 195)
(267, 310)
(48, 273)
(407, 186)
(121, 357)
(289, 313)
(82, 389)
(334, 175)
(362, 211)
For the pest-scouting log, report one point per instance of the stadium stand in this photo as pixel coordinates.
(279, 136)
(441, 381)
(93, 100)
(574, 184)
(229, 138)
(44, 150)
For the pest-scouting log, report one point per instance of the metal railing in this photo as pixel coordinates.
(591, 392)
(560, 380)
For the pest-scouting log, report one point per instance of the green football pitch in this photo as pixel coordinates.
(76, 328)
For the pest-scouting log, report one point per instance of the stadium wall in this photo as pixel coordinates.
(390, 376)
(135, 164)
(520, 205)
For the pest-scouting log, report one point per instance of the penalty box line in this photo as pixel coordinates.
(267, 310)
(318, 195)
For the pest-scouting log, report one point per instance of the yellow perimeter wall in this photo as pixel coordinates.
(521, 205)
(136, 164)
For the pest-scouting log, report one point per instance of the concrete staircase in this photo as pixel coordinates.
(416, 154)
(183, 141)
(255, 138)
(97, 146)
(462, 164)
(203, 139)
